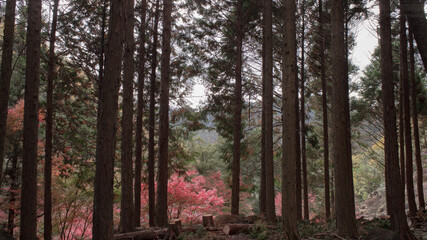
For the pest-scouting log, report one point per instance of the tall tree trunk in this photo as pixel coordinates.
(268, 113)
(162, 184)
(303, 131)
(140, 114)
(407, 120)
(47, 234)
(13, 187)
(237, 130)
(31, 109)
(152, 122)
(106, 125)
(298, 163)
(289, 92)
(344, 191)
(126, 203)
(262, 194)
(325, 112)
(415, 13)
(421, 201)
(392, 174)
(102, 44)
(401, 134)
(6, 74)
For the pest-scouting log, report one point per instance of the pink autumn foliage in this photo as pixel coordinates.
(190, 196)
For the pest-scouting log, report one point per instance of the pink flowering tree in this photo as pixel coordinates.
(190, 196)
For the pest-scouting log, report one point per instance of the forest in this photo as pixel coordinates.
(103, 134)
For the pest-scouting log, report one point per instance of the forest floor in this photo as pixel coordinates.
(308, 230)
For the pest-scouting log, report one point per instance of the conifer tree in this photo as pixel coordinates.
(162, 184)
(6, 73)
(107, 125)
(29, 161)
(344, 190)
(47, 234)
(126, 202)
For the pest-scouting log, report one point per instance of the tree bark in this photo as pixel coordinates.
(392, 174)
(6, 74)
(47, 234)
(13, 188)
(126, 203)
(140, 113)
(152, 122)
(289, 92)
(401, 134)
(31, 113)
(303, 131)
(262, 194)
(106, 125)
(421, 201)
(207, 221)
(407, 119)
(162, 184)
(324, 113)
(268, 113)
(237, 130)
(344, 191)
(414, 12)
(403, 76)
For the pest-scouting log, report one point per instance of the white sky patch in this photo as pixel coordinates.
(198, 95)
(366, 41)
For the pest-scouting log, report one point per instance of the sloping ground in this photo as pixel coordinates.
(375, 205)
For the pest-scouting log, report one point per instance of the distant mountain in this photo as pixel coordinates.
(208, 136)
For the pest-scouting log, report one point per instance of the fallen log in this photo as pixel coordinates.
(148, 234)
(234, 228)
(195, 228)
(231, 229)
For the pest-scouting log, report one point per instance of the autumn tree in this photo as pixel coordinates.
(6, 74)
(344, 191)
(162, 196)
(392, 174)
(47, 234)
(237, 112)
(106, 126)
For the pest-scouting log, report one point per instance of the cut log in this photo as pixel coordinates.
(231, 229)
(148, 234)
(208, 221)
(195, 228)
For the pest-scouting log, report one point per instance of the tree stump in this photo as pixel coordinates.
(208, 221)
(174, 229)
(231, 229)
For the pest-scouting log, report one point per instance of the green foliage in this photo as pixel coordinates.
(259, 231)
(308, 228)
